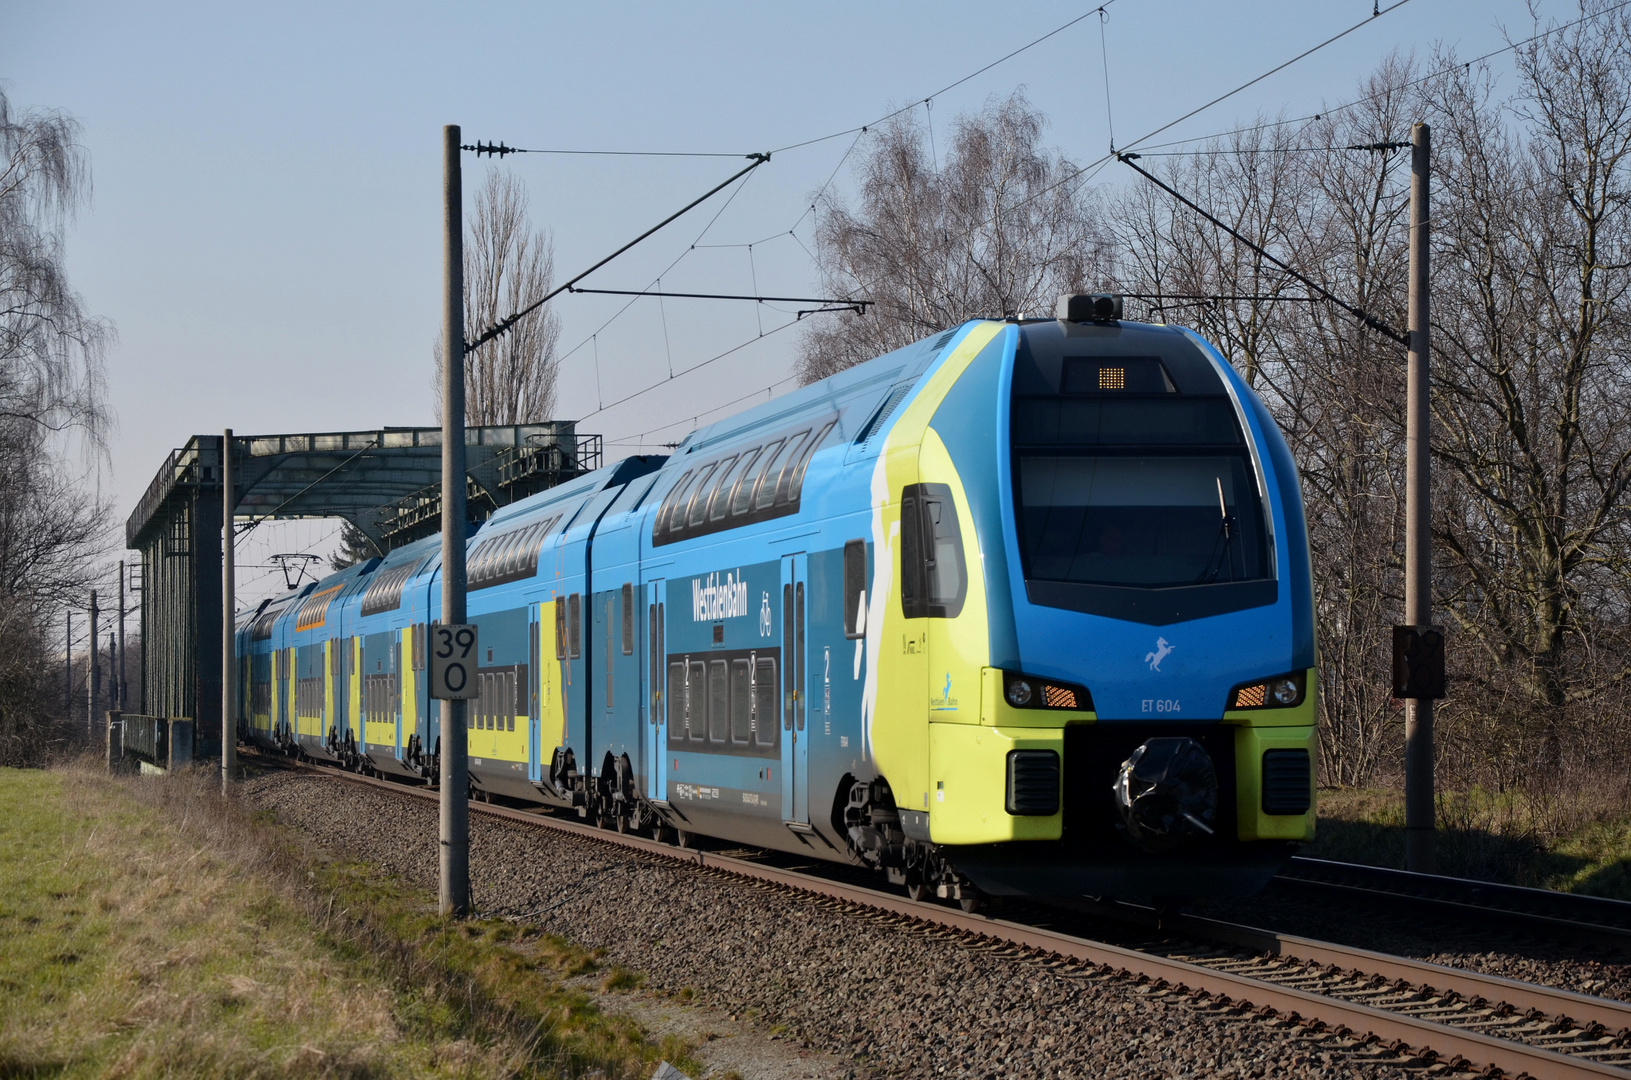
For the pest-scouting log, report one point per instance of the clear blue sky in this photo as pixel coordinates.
(265, 228)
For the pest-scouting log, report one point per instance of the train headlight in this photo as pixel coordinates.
(1029, 692)
(1280, 692)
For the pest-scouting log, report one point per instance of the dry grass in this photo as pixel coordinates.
(1576, 845)
(153, 929)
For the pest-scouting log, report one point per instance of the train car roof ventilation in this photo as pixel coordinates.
(889, 404)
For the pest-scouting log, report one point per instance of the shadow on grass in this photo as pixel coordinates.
(1480, 837)
(14, 1068)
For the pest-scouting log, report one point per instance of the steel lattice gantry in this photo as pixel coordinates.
(386, 482)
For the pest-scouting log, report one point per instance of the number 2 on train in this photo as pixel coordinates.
(453, 662)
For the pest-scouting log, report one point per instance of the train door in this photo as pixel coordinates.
(655, 729)
(396, 693)
(795, 763)
(290, 673)
(534, 668)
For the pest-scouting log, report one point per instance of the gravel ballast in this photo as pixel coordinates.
(897, 1000)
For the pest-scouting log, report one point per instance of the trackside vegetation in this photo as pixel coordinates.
(153, 929)
(1506, 836)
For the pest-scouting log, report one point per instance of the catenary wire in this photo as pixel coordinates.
(658, 279)
(949, 86)
(504, 324)
(1280, 67)
(694, 367)
(1395, 88)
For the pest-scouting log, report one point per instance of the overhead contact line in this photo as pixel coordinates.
(504, 324)
(1465, 64)
(1362, 315)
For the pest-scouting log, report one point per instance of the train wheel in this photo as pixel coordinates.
(623, 825)
(918, 889)
(683, 839)
(973, 901)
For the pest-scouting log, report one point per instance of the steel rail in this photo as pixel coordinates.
(1583, 1009)
(1400, 1030)
(1590, 916)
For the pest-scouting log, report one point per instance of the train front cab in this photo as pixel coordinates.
(1134, 555)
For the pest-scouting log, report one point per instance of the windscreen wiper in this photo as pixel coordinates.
(1225, 541)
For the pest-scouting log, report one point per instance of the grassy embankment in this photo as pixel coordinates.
(1492, 836)
(148, 928)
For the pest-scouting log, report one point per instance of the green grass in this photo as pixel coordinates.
(148, 929)
(1492, 836)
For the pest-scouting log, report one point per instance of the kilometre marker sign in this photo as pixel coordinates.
(453, 662)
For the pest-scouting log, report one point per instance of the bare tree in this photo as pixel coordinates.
(1002, 228)
(507, 265)
(1534, 404)
(51, 384)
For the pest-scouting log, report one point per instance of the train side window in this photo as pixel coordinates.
(796, 483)
(934, 575)
(665, 514)
(765, 697)
(696, 701)
(741, 493)
(773, 472)
(504, 560)
(611, 602)
(787, 654)
(741, 706)
(719, 499)
(511, 705)
(911, 560)
(745, 501)
(560, 628)
(854, 588)
(628, 619)
(719, 702)
(574, 626)
(505, 565)
(699, 500)
(676, 702)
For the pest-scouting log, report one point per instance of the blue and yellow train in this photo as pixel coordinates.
(1024, 607)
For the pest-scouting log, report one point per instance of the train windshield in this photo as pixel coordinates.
(1140, 520)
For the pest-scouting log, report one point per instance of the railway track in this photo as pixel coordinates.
(1581, 918)
(1363, 1003)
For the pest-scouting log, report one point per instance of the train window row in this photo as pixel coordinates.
(379, 698)
(385, 591)
(500, 700)
(314, 609)
(752, 484)
(509, 556)
(260, 698)
(309, 697)
(262, 630)
(730, 701)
